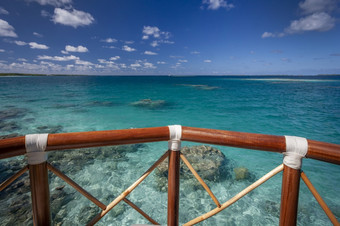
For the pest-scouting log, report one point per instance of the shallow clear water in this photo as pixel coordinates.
(300, 106)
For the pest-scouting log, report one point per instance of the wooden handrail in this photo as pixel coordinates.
(234, 139)
(16, 146)
(316, 150)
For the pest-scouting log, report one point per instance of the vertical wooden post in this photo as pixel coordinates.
(289, 196)
(173, 187)
(40, 194)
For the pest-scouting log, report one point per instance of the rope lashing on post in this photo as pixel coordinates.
(296, 149)
(175, 137)
(35, 148)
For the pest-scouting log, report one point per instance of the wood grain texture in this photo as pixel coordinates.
(289, 196)
(173, 187)
(40, 194)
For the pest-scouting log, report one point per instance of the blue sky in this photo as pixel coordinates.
(162, 37)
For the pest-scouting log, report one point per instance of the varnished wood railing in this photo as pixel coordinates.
(290, 183)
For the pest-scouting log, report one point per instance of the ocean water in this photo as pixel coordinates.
(297, 106)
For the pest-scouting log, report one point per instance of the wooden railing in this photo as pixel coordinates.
(290, 181)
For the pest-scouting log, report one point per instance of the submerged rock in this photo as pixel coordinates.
(202, 87)
(272, 208)
(148, 103)
(87, 213)
(75, 160)
(11, 135)
(99, 104)
(241, 173)
(209, 162)
(49, 129)
(9, 126)
(12, 113)
(63, 106)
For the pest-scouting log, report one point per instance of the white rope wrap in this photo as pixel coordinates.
(175, 137)
(296, 149)
(35, 148)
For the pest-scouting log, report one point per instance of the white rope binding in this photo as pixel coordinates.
(175, 137)
(35, 148)
(296, 149)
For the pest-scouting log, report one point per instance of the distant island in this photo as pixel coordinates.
(28, 74)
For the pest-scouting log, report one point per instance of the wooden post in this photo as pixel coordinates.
(40, 194)
(289, 196)
(173, 187)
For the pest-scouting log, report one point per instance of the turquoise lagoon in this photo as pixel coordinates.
(298, 106)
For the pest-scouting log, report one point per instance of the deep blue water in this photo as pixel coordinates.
(298, 106)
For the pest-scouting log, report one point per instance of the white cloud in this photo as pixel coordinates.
(99, 66)
(2, 50)
(167, 42)
(78, 49)
(6, 29)
(216, 4)
(22, 59)
(317, 18)
(150, 53)
(161, 62)
(183, 61)
(58, 58)
(207, 61)
(103, 61)
(149, 65)
(35, 45)
(151, 31)
(268, 35)
(115, 58)
(155, 32)
(154, 44)
(72, 18)
(53, 2)
(83, 62)
(109, 40)
(37, 34)
(315, 22)
(129, 42)
(69, 66)
(315, 6)
(175, 57)
(20, 43)
(135, 65)
(3, 11)
(195, 52)
(109, 47)
(44, 13)
(286, 59)
(128, 49)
